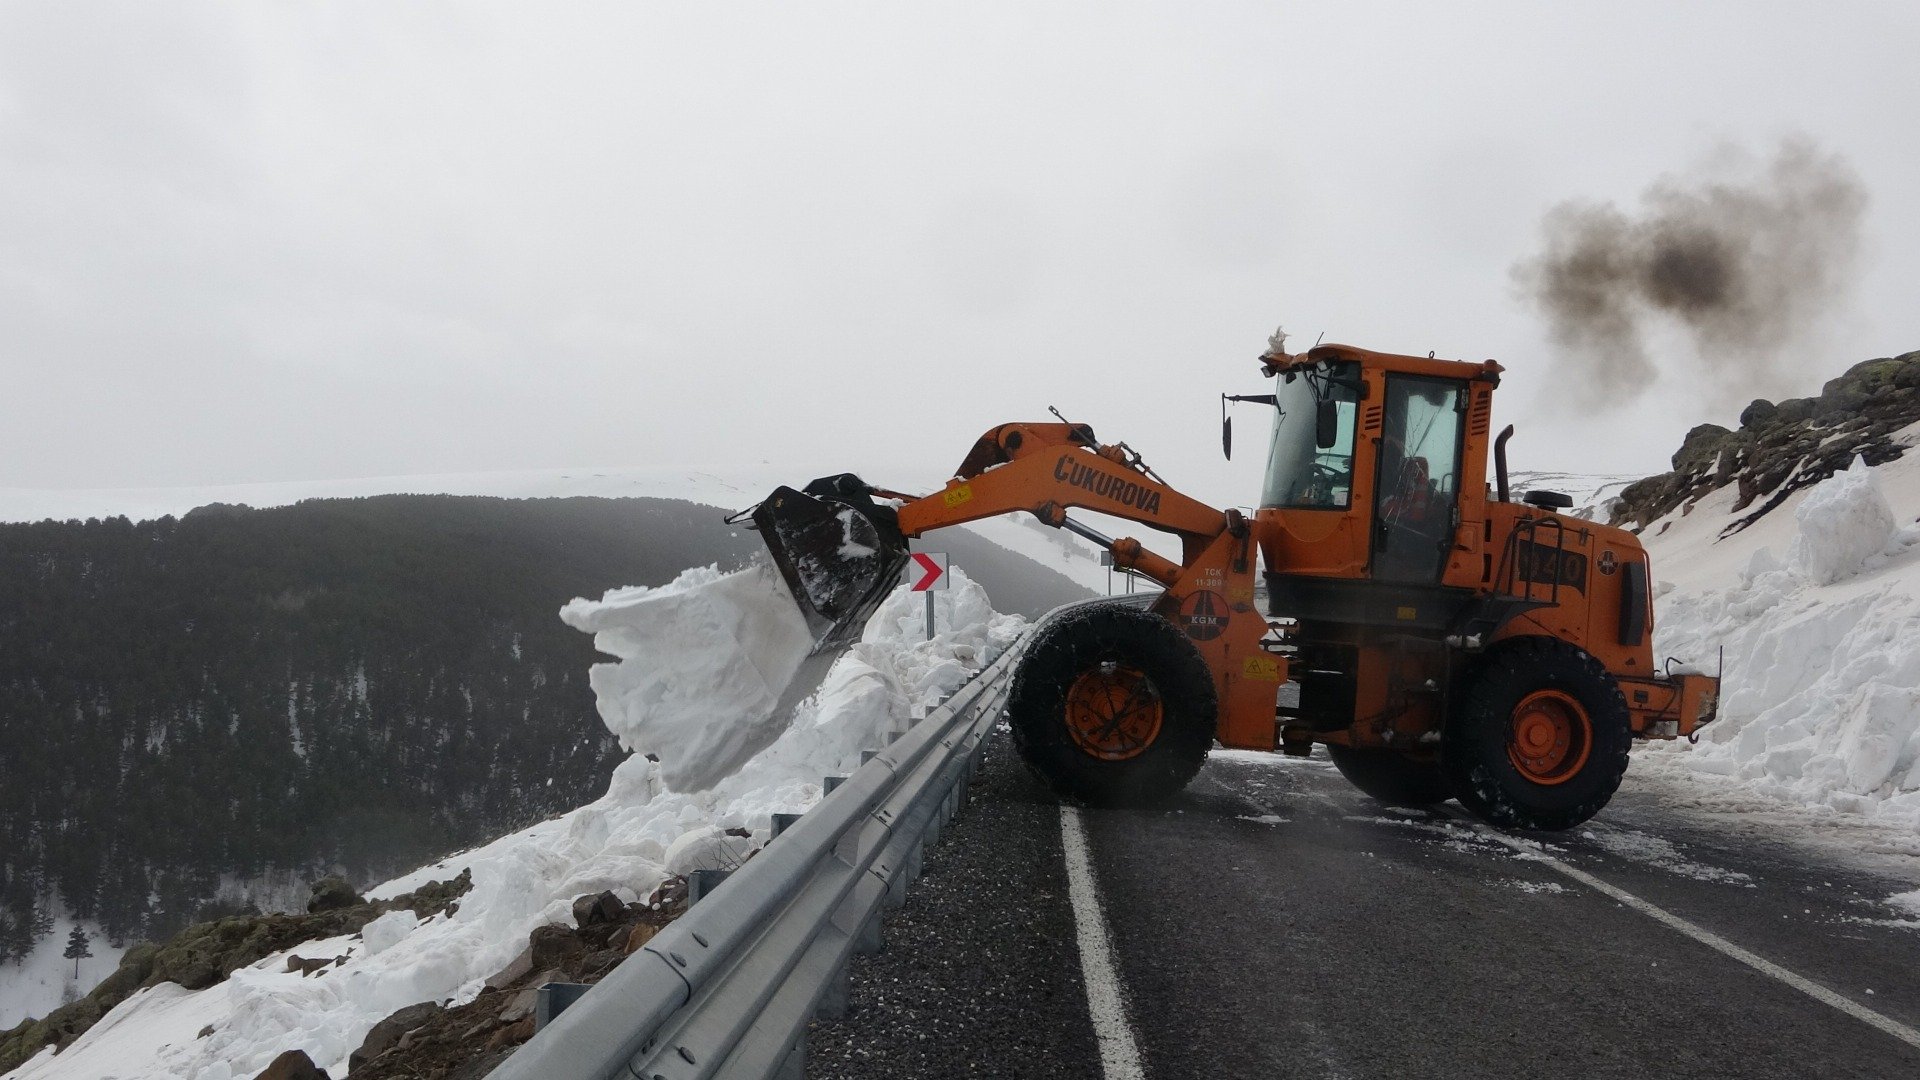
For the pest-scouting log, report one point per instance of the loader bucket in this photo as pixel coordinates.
(839, 551)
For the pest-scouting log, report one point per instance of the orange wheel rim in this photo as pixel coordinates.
(1550, 738)
(1113, 712)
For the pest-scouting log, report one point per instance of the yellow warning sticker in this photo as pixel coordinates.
(956, 496)
(1409, 613)
(1262, 668)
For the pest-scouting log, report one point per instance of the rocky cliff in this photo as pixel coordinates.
(1781, 447)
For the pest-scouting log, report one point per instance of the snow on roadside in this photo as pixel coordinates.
(1818, 608)
(740, 638)
(1660, 853)
(628, 841)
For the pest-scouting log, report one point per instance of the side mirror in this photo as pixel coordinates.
(1326, 423)
(1226, 436)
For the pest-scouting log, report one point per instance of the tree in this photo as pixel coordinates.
(77, 949)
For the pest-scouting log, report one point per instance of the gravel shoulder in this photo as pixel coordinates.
(980, 976)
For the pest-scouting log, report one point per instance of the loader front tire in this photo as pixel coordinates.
(1112, 706)
(1539, 737)
(1391, 777)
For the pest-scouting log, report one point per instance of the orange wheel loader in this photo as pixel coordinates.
(1439, 638)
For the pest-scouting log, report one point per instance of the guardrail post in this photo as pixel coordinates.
(702, 882)
(794, 1065)
(552, 999)
(827, 784)
(833, 999)
(870, 940)
(934, 826)
(781, 822)
(896, 897)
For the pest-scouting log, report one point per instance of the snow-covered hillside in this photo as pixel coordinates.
(1591, 492)
(1818, 608)
(705, 628)
(46, 977)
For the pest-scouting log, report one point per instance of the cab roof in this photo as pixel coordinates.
(1276, 363)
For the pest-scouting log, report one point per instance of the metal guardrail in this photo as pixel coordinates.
(728, 989)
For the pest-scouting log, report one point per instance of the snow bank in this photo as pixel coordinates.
(707, 644)
(628, 841)
(1843, 523)
(1821, 698)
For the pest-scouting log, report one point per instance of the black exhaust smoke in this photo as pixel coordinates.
(1745, 266)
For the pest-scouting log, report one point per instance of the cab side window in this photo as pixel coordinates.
(1419, 475)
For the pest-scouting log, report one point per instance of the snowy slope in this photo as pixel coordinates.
(1591, 492)
(1818, 608)
(43, 979)
(629, 841)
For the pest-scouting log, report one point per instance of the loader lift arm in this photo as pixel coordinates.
(842, 552)
(1047, 469)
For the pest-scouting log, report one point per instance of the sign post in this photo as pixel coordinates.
(927, 573)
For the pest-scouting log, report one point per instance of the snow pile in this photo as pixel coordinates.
(629, 841)
(1843, 523)
(735, 640)
(1821, 698)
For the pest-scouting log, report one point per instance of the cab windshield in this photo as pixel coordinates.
(1302, 475)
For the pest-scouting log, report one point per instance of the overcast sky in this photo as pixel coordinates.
(256, 242)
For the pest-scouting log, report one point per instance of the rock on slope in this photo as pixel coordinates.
(1782, 447)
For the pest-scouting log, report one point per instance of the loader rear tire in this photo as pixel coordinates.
(1391, 777)
(1539, 737)
(1112, 706)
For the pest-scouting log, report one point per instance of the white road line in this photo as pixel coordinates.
(1766, 967)
(1119, 1055)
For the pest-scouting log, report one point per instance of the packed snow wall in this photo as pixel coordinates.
(1819, 616)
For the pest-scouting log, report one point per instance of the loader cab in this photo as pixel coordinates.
(1310, 460)
(1415, 507)
(1411, 469)
(1370, 457)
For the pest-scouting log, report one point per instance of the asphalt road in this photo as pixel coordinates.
(1273, 922)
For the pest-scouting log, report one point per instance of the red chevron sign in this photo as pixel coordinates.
(932, 568)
